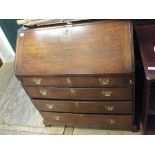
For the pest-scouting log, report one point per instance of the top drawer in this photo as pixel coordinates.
(105, 81)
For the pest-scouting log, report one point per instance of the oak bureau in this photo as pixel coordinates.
(79, 74)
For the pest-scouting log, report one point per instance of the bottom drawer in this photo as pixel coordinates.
(87, 120)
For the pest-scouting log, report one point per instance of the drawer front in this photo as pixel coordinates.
(83, 107)
(107, 81)
(80, 93)
(88, 120)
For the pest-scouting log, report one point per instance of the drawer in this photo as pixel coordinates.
(106, 81)
(83, 106)
(88, 120)
(80, 93)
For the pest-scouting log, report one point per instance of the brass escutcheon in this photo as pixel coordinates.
(68, 80)
(49, 106)
(109, 108)
(103, 81)
(43, 92)
(106, 93)
(37, 81)
(56, 117)
(112, 121)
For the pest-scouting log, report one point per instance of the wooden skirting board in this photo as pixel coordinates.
(19, 116)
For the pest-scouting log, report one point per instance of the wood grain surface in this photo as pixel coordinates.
(91, 48)
(104, 94)
(120, 122)
(84, 107)
(82, 81)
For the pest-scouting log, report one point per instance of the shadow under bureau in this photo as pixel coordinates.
(79, 74)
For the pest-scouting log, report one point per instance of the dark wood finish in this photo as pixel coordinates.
(152, 99)
(146, 37)
(82, 81)
(88, 120)
(80, 93)
(82, 49)
(83, 71)
(84, 106)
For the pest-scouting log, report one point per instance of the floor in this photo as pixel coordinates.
(18, 116)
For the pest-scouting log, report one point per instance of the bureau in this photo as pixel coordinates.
(79, 74)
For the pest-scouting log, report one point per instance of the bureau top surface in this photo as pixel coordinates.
(146, 41)
(101, 47)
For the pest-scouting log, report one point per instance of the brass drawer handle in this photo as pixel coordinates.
(131, 82)
(72, 91)
(68, 80)
(37, 81)
(109, 108)
(49, 106)
(56, 117)
(112, 121)
(104, 81)
(43, 92)
(106, 93)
